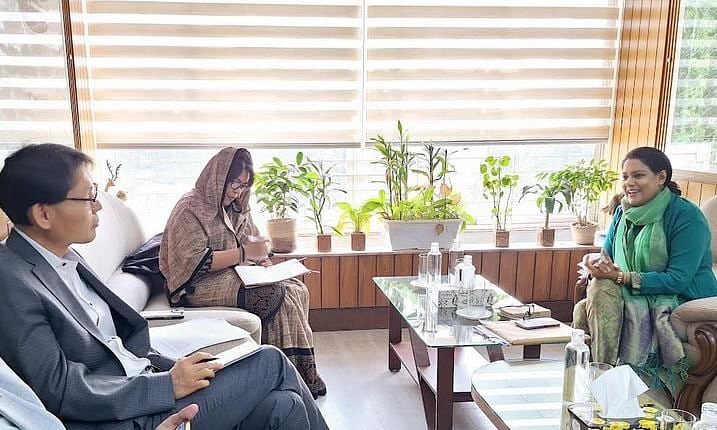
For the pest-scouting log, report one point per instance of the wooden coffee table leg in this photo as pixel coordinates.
(394, 337)
(429, 402)
(531, 352)
(444, 389)
(495, 353)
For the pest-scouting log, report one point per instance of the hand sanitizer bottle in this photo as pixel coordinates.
(575, 372)
(708, 418)
(454, 256)
(434, 282)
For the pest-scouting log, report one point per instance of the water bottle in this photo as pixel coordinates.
(466, 273)
(434, 282)
(708, 418)
(575, 374)
(454, 255)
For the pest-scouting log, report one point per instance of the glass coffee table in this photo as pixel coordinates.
(443, 361)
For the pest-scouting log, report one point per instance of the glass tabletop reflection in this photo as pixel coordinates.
(451, 330)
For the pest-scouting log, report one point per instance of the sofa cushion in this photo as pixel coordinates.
(133, 289)
(695, 311)
(709, 208)
(235, 316)
(118, 235)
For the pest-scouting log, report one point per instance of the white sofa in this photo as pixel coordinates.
(119, 235)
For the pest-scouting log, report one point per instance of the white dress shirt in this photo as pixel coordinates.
(97, 309)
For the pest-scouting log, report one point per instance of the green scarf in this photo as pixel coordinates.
(640, 243)
(647, 341)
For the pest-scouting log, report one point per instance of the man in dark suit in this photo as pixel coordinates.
(83, 350)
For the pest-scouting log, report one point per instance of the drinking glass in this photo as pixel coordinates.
(676, 419)
(423, 269)
(595, 370)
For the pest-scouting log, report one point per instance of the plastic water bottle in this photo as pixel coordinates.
(454, 255)
(434, 282)
(708, 418)
(577, 362)
(466, 273)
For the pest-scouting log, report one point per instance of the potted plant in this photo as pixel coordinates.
(277, 188)
(416, 214)
(582, 183)
(547, 202)
(498, 186)
(318, 186)
(360, 220)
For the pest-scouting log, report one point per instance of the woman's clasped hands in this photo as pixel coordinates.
(602, 267)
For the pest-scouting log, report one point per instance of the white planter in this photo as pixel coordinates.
(420, 233)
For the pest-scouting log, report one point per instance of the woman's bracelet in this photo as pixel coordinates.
(620, 278)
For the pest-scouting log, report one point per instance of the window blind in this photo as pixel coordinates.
(492, 69)
(188, 73)
(34, 102)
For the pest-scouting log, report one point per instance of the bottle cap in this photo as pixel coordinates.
(434, 247)
(709, 412)
(577, 335)
(456, 244)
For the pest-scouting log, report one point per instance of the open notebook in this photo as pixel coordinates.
(260, 275)
(246, 348)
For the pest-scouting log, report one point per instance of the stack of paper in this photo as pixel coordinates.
(260, 275)
(179, 340)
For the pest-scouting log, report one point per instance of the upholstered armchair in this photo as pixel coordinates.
(696, 324)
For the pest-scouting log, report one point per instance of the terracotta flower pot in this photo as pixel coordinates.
(323, 242)
(502, 238)
(282, 233)
(583, 234)
(358, 241)
(546, 236)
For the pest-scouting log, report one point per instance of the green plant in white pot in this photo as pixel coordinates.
(359, 218)
(498, 186)
(277, 187)
(418, 206)
(318, 186)
(582, 185)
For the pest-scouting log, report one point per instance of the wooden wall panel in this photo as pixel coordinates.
(508, 269)
(348, 281)
(330, 282)
(384, 267)
(313, 281)
(403, 265)
(366, 288)
(698, 187)
(559, 278)
(543, 271)
(693, 192)
(524, 276)
(490, 267)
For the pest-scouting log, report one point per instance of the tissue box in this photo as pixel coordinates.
(451, 297)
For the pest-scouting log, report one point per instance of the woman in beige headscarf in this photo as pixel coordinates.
(210, 231)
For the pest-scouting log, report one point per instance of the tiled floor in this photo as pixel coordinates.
(364, 394)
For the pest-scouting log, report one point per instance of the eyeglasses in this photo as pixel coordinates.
(529, 313)
(236, 184)
(86, 199)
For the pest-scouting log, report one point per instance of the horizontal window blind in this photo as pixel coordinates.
(188, 73)
(693, 141)
(34, 102)
(492, 70)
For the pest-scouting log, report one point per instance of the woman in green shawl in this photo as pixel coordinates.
(656, 256)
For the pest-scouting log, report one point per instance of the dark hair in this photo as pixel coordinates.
(241, 162)
(35, 174)
(657, 161)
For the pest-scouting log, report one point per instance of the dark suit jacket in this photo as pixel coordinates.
(51, 342)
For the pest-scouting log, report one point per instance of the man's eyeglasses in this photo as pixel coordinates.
(86, 199)
(236, 184)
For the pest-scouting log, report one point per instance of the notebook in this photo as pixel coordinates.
(239, 352)
(260, 275)
(517, 312)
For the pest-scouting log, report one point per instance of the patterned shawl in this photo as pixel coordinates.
(648, 342)
(198, 226)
